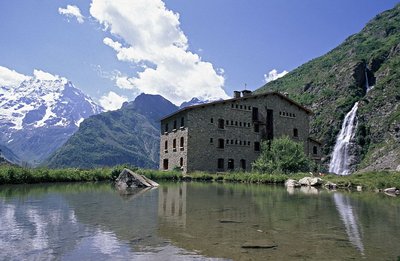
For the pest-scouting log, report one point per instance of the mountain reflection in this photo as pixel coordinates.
(350, 220)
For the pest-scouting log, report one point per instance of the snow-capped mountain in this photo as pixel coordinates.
(40, 114)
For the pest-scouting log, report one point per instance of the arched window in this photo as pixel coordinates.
(166, 145)
(174, 145)
(181, 162)
(182, 143)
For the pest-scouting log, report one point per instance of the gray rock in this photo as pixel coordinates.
(393, 190)
(259, 244)
(315, 182)
(130, 179)
(330, 185)
(306, 181)
(292, 183)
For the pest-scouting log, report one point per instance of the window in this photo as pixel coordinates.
(227, 122)
(236, 142)
(243, 164)
(166, 145)
(315, 150)
(256, 127)
(227, 141)
(174, 145)
(182, 122)
(174, 124)
(232, 105)
(241, 107)
(181, 162)
(256, 146)
(212, 120)
(220, 164)
(237, 106)
(231, 164)
(295, 133)
(236, 123)
(165, 164)
(255, 114)
(221, 143)
(240, 142)
(248, 143)
(182, 143)
(231, 122)
(221, 123)
(166, 127)
(211, 140)
(232, 142)
(248, 124)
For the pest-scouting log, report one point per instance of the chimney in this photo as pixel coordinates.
(246, 93)
(236, 94)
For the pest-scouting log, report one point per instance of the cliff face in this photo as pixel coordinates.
(332, 83)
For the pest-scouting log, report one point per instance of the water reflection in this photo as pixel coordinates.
(350, 220)
(195, 221)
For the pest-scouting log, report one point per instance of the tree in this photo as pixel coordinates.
(282, 155)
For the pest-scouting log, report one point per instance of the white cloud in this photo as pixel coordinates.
(72, 11)
(45, 76)
(112, 101)
(10, 77)
(149, 33)
(273, 75)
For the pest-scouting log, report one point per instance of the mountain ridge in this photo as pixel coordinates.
(129, 135)
(332, 83)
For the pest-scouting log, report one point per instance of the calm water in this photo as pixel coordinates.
(195, 221)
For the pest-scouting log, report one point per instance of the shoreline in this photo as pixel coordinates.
(370, 181)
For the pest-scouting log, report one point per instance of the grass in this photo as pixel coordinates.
(19, 175)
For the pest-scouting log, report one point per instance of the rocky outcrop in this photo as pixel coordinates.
(310, 181)
(292, 183)
(129, 179)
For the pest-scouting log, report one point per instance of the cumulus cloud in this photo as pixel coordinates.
(72, 11)
(147, 33)
(273, 75)
(10, 77)
(112, 101)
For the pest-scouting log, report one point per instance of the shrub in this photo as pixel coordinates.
(282, 155)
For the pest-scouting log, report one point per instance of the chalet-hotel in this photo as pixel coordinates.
(226, 135)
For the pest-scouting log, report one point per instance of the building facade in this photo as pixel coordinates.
(226, 135)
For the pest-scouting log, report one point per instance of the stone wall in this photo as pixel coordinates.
(203, 129)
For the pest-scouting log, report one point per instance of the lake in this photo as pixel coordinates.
(196, 221)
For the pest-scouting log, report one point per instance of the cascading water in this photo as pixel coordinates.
(340, 162)
(340, 157)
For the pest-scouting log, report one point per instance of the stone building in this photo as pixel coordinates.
(226, 135)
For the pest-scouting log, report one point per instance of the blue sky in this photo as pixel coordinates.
(176, 48)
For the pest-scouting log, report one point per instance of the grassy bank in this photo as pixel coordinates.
(18, 175)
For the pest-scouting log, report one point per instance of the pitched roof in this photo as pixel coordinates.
(308, 111)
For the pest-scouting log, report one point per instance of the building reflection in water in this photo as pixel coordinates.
(350, 220)
(172, 204)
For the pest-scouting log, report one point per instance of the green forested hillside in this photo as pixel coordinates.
(128, 135)
(332, 83)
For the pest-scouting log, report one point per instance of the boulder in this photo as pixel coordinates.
(292, 183)
(393, 190)
(306, 181)
(315, 182)
(130, 179)
(309, 181)
(330, 185)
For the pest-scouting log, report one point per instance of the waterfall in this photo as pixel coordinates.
(340, 163)
(367, 86)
